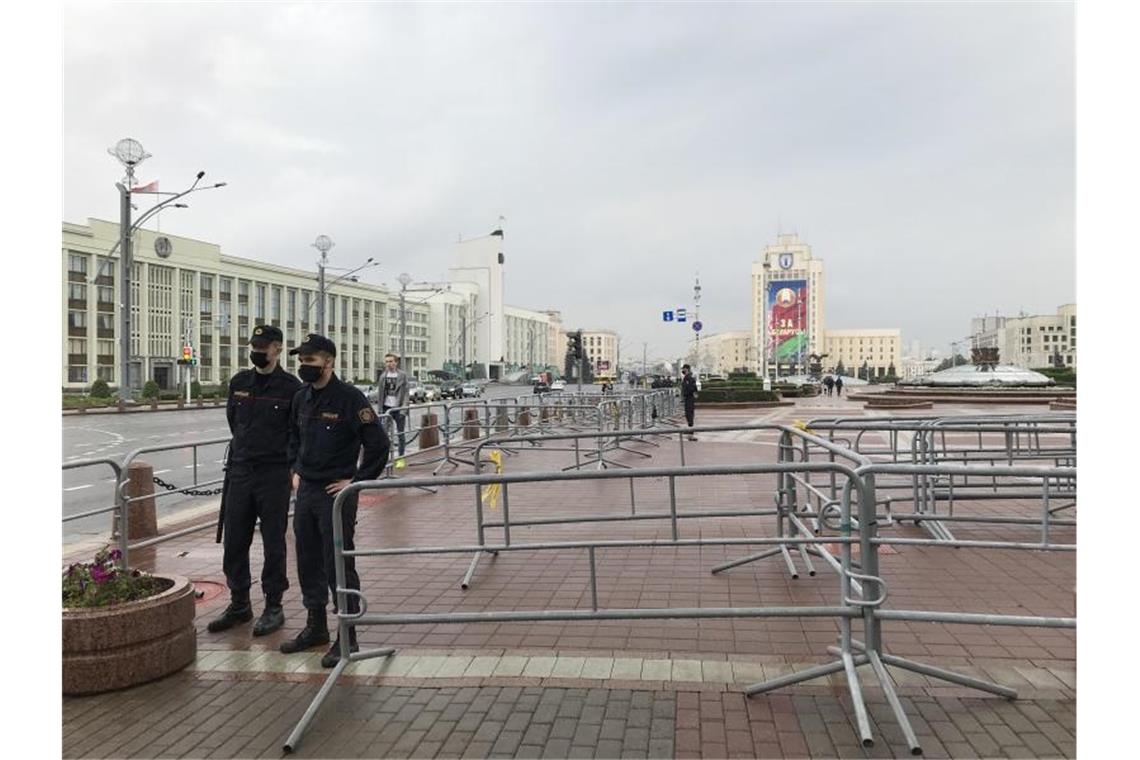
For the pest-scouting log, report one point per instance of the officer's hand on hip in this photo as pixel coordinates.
(337, 486)
(296, 481)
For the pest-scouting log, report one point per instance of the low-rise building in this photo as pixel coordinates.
(732, 351)
(601, 347)
(879, 349)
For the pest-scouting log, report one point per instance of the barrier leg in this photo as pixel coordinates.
(857, 700)
(745, 560)
(311, 712)
(949, 675)
(802, 675)
(893, 699)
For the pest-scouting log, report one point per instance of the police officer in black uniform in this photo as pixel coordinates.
(259, 481)
(689, 396)
(330, 422)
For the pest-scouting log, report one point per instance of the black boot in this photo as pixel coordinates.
(271, 619)
(315, 633)
(332, 657)
(238, 611)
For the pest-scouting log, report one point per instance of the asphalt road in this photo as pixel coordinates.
(115, 435)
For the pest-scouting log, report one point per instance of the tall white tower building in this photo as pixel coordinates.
(787, 306)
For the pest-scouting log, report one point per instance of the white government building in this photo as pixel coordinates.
(209, 300)
(1030, 341)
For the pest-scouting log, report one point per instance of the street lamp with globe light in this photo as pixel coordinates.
(130, 153)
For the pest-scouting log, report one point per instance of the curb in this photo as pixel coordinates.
(143, 408)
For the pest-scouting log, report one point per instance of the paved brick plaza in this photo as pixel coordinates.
(614, 688)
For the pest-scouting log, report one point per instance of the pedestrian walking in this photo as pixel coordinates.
(689, 396)
(828, 384)
(394, 398)
(330, 423)
(257, 482)
(839, 385)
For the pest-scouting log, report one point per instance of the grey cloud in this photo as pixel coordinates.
(925, 151)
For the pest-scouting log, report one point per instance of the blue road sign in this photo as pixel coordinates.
(697, 326)
(667, 316)
(680, 315)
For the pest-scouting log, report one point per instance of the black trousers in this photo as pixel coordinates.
(399, 419)
(313, 529)
(690, 406)
(256, 492)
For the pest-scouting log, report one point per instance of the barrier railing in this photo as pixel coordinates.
(844, 610)
(1001, 439)
(865, 602)
(117, 506)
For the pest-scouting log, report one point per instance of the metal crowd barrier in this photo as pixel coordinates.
(117, 469)
(863, 590)
(1001, 439)
(123, 501)
(844, 610)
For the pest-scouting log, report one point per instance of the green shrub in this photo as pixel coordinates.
(150, 390)
(1064, 376)
(196, 389)
(742, 376)
(719, 395)
(100, 389)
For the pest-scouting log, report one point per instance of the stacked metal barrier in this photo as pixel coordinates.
(846, 516)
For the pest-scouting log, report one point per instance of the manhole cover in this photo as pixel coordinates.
(206, 591)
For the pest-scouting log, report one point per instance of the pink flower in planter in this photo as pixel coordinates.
(99, 575)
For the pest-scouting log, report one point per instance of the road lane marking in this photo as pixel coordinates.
(157, 472)
(78, 488)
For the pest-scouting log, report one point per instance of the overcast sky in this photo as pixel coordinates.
(925, 151)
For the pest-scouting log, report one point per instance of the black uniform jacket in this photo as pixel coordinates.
(689, 387)
(327, 430)
(259, 416)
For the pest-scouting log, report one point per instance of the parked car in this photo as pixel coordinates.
(371, 392)
(471, 390)
(558, 385)
(416, 393)
(451, 389)
(432, 392)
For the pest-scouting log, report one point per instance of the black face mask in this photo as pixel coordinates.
(260, 359)
(310, 373)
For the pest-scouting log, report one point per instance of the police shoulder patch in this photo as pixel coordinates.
(366, 415)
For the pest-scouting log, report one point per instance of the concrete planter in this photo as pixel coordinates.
(110, 648)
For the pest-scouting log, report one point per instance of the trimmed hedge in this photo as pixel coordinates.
(716, 395)
(1064, 376)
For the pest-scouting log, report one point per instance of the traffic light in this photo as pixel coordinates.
(187, 355)
(574, 345)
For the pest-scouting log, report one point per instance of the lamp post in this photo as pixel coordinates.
(463, 337)
(324, 244)
(130, 153)
(765, 335)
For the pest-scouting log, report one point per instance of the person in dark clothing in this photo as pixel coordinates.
(330, 423)
(258, 482)
(828, 384)
(839, 385)
(689, 396)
